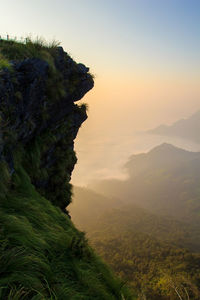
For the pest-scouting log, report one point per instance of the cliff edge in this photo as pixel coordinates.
(42, 254)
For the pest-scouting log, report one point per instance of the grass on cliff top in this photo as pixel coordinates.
(14, 50)
(11, 50)
(43, 256)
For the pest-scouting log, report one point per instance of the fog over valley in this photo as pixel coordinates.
(104, 153)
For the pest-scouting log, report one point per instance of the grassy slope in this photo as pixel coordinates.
(43, 256)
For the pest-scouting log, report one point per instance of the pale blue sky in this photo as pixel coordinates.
(122, 32)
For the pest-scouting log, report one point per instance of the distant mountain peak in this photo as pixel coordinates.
(166, 147)
(171, 151)
(188, 128)
(196, 114)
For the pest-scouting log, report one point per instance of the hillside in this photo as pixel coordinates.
(185, 128)
(91, 210)
(154, 268)
(149, 251)
(165, 180)
(42, 254)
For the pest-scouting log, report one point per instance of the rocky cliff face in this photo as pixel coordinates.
(40, 120)
(42, 255)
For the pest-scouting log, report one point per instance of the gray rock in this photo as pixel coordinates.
(83, 69)
(28, 109)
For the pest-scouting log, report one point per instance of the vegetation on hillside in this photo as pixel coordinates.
(43, 256)
(154, 269)
(159, 256)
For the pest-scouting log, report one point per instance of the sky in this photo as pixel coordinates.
(145, 55)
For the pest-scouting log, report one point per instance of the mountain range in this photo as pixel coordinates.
(184, 128)
(165, 181)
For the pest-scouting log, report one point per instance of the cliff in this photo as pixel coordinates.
(42, 254)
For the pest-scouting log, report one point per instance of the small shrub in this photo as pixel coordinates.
(84, 106)
(4, 63)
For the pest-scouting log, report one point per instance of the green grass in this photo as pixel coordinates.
(42, 254)
(14, 50)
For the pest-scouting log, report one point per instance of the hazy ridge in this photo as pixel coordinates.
(185, 128)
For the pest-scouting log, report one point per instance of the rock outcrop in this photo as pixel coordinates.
(37, 108)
